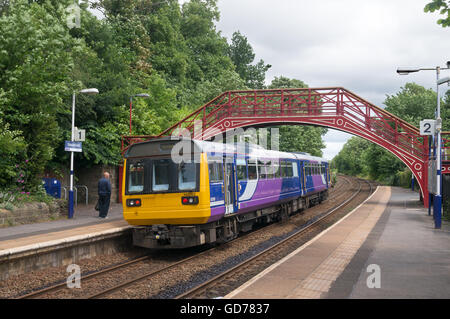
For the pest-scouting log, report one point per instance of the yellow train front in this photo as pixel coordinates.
(166, 196)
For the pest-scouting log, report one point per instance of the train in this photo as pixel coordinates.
(180, 192)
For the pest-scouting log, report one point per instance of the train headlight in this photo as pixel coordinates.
(189, 200)
(135, 202)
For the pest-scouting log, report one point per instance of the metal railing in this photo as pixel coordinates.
(75, 193)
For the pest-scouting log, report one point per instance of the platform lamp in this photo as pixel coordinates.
(437, 202)
(91, 91)
(143, 95)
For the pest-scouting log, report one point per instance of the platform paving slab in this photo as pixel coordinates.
(313, 267)
(85, 215)
(413, 256)
(391, 230)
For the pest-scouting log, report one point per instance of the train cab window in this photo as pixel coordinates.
(160, 175)
(136, 177)
(187, 173)
(241, 169)
(262, 170)
(252, 169)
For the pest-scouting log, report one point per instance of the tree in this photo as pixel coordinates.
(444, 8)
(242, 55)
(351, 159)
(35, 72)
(413, 103)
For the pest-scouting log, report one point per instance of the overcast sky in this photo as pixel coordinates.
(354, 44)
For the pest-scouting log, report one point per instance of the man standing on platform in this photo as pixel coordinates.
(104, 195)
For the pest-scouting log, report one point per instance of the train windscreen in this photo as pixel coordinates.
(148, 176)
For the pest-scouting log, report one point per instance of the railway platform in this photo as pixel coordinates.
(385, 248)
(35, 246)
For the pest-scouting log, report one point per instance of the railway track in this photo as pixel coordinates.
(215, 286)
(53, 290)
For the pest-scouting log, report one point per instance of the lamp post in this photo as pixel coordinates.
(144, 95)
(91, 91)
(437, 202)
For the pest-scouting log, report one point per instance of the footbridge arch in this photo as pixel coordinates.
(332, 107)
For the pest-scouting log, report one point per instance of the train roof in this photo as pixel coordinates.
(147, 148)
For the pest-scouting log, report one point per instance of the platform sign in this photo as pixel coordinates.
(79, 135)
(427, 127)
(73, 146)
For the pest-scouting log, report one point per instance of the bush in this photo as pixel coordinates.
(403, 178)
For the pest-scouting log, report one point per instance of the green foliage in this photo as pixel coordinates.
(350, 160)
(35, 65)
(11, 151)
(242, 55)
(443, 6)
(174, 53)
(413, 103)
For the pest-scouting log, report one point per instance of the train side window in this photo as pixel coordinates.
(213, 169)
(289, 169)
(295, 169)
(136, 177)
(283, 169)
(276, 170)
(241, 169)
(252, 169)
(187, 173)
(269, 169)
(262, 170)
(160, 175)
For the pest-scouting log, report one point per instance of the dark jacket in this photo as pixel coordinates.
(104, 187)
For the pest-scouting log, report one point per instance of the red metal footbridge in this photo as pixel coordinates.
(332, 107)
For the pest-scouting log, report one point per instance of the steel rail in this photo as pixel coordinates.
(63, 285)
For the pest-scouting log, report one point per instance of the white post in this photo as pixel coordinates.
(438, 198)
(71, 159)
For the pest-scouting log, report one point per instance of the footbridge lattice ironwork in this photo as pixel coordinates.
(332, 107)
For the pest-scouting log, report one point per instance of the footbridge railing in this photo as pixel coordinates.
(332, 107)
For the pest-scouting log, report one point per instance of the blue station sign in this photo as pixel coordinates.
(73, 146)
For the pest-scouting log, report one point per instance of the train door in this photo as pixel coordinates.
(303, 164)
(230, 187)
